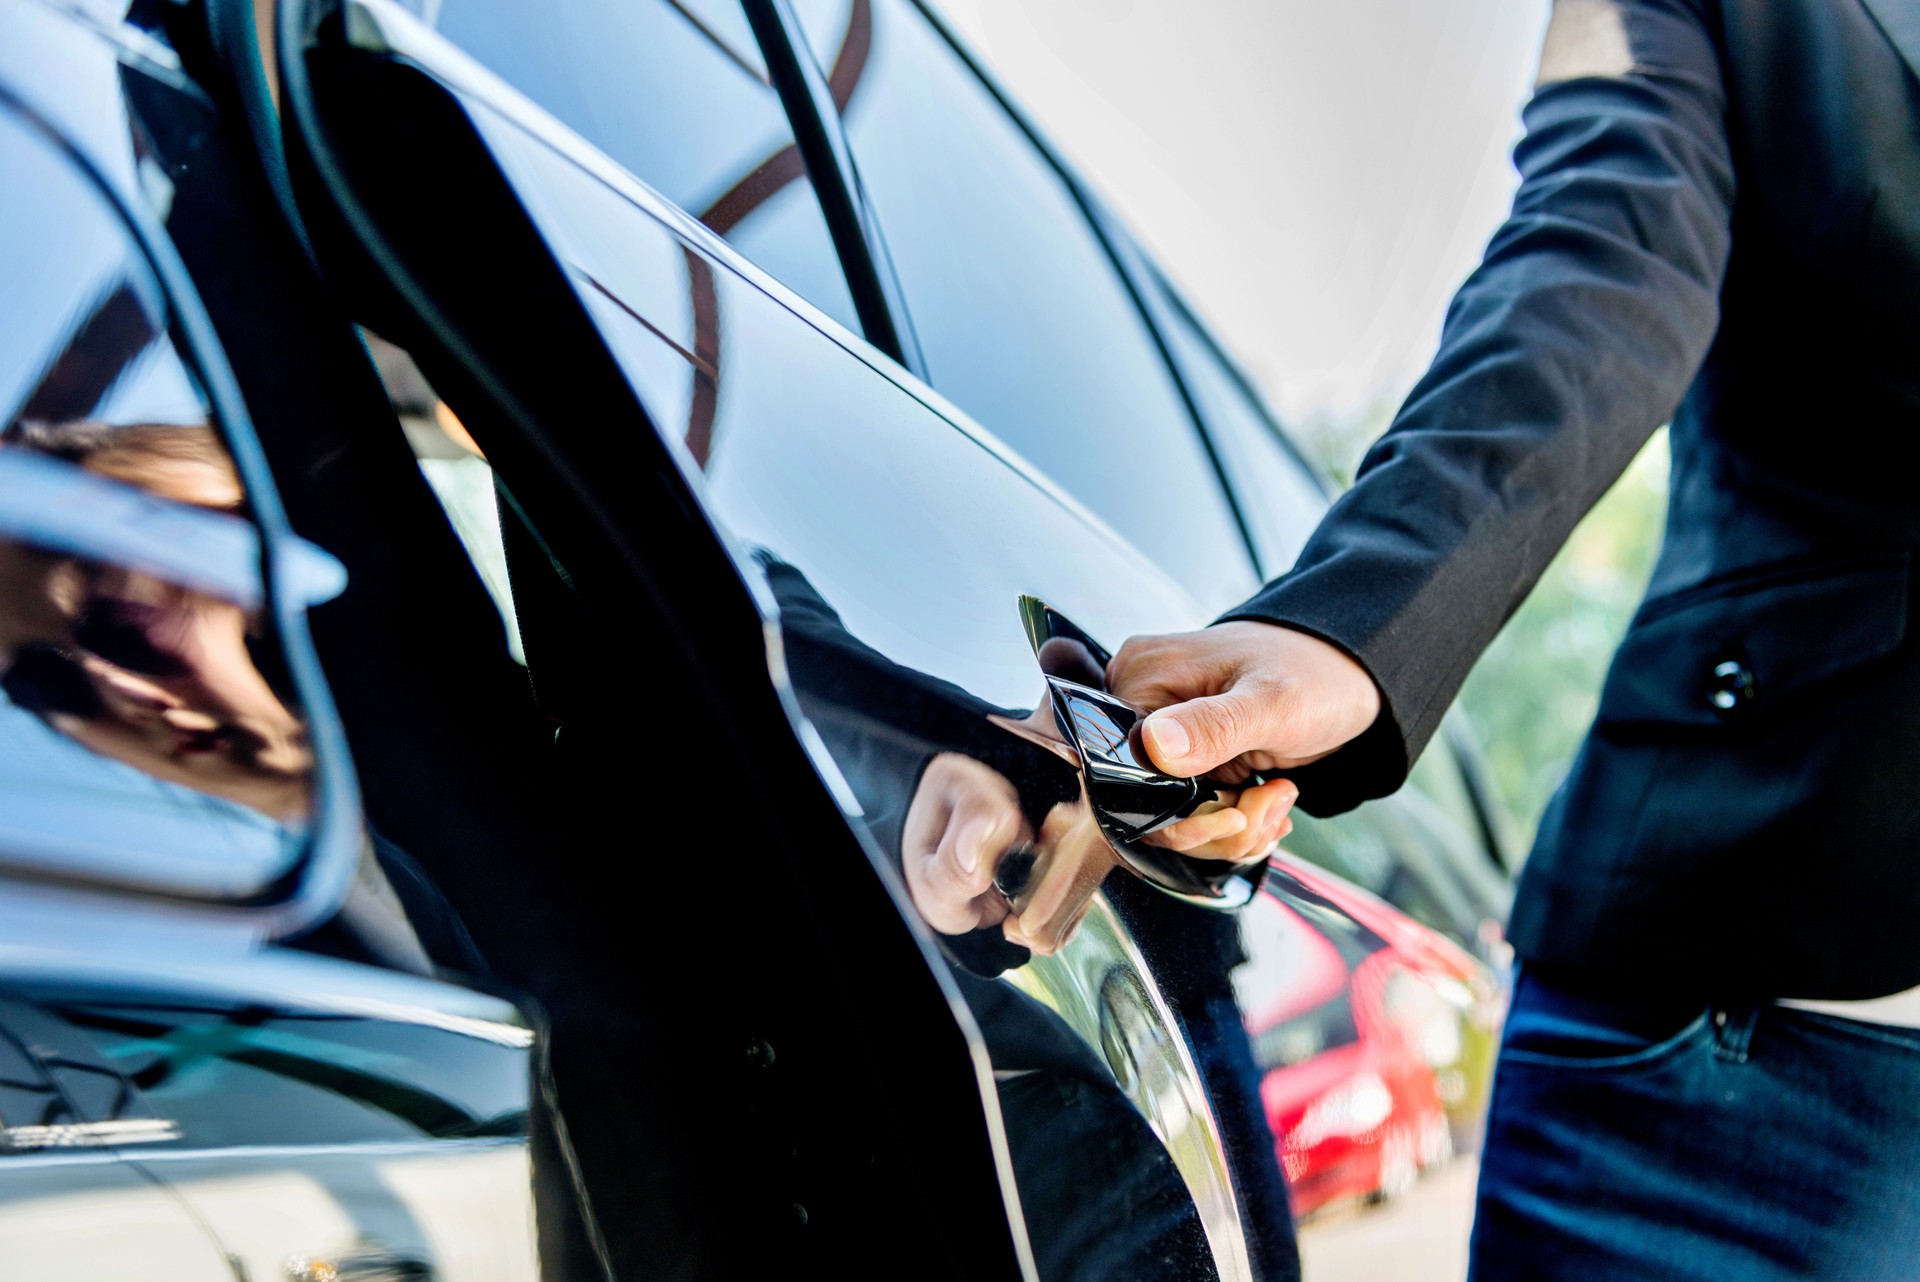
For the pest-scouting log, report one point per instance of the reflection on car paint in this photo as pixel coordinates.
(143, 741)
(155, 757)
(1376, 1046)
(1100, 985)
(897, 676)
(395, 1131)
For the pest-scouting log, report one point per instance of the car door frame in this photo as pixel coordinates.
(789, 779)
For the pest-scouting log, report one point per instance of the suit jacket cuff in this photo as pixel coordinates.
(1372, 764)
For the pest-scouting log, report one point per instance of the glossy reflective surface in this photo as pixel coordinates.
(149, 731)
(178, 1099)
(1023, 318)
(892, 544)
(1279, 497)
(1129, 797)
(911, 682)
(1374, 1040)
(293, 1125)
(678, 94)
(1102, 988)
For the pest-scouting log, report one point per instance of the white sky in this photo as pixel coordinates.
(1318, 175)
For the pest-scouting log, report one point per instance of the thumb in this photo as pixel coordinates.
(1194, 737)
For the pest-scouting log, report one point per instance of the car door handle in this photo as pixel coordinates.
(1129, 796)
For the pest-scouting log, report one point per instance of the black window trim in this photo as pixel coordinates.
(818, 132)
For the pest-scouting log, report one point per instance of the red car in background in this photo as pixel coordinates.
(1374, 1035)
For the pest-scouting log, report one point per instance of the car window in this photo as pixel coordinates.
(677, 93)
(30, 1104)
(149, 732)
(1279, 497)
(1020, 312)
(226, 1077)
(1439, 776)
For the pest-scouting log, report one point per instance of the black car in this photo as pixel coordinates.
(514, 521)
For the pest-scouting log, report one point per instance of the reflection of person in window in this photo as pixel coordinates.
(180, 697)
(184, 462)
(142, 671)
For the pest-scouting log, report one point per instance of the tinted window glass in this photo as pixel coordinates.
(1023, 319)
(28, 1101)
(676, 92)
(247, 1076)
(148, 731)
(1440, 777)
(1278, 495)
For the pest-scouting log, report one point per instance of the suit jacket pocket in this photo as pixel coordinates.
(1730, 651)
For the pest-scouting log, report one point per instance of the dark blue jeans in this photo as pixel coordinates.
(1629, 1139)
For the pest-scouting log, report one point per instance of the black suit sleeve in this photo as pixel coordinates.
(1574, 339)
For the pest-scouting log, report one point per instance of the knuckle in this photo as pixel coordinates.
(1131, 653)
(1224, 725)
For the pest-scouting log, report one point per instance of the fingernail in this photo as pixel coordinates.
(1170, 741)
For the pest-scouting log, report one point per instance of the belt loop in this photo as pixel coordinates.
(1733, 1030)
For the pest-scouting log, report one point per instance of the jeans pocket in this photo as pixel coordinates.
(1697, 1032)
(1555, 1028)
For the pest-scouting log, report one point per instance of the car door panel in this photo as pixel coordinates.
(844, 493)
(97, 1217)
(699, 1158)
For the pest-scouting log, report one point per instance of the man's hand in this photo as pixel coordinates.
(1239, 697)
(1242, 825)
(1074, 859)
(962, 819)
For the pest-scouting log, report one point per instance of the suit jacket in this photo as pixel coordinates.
(1719, 224)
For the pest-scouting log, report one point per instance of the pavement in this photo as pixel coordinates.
(1419, 1237)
